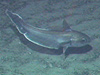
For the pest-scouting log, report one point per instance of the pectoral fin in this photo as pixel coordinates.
(64, 49)
(65, 46)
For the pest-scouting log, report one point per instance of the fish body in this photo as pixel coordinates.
(52, 39)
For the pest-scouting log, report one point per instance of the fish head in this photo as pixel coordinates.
(75, 39)
(79, 39)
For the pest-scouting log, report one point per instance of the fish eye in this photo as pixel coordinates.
(83, 40)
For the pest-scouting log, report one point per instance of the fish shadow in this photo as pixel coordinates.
(32, 46)
(78, 50)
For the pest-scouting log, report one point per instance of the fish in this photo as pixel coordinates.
(49, 38)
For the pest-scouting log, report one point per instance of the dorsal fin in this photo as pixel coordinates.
(66, 27)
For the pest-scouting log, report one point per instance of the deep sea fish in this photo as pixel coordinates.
(51, 39)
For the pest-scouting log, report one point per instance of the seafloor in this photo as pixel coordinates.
(20, 57)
